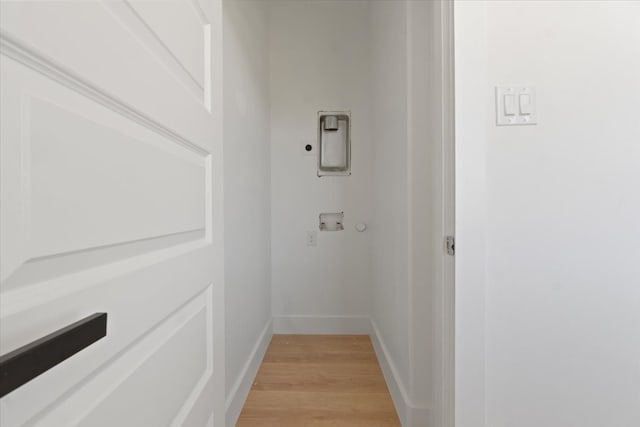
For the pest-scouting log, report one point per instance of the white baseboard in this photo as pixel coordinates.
(410, 415)
(329, 325)
(242, 386)
(420, 417)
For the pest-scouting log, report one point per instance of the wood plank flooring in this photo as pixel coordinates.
(319, 380)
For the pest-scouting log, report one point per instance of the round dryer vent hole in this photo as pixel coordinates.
(308, 148)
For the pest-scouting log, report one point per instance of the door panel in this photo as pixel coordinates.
(111, 202)
(179, 343)
(62, 135)
(178, 27)
(136, 303)
(105, 49)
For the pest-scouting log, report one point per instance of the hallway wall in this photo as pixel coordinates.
(408, 205)
(561, 312)
(390, 227)
(247, 187)
(319, 61)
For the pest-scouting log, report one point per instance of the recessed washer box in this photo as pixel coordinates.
(334, 143)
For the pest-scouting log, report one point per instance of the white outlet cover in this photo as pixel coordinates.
(516, 106)
(312, 238)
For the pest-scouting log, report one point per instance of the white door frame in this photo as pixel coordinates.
(448, 141)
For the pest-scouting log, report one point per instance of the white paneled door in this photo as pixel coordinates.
(111, 201)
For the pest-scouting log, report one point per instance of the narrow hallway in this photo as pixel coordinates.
(313, 380)
(359, 251)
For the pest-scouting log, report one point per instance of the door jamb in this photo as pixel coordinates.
(448, 143)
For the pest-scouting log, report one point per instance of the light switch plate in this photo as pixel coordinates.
(516, 106)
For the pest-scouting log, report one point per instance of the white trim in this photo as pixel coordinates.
(27, 56)
(447, 412)
(329, 325)
(394, 383)
(420, 416)
(410, 413)
(242, 386)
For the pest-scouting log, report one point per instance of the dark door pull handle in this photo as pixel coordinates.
(27, 362)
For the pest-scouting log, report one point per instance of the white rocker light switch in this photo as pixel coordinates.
(515, 106)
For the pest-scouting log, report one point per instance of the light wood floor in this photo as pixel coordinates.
(319, 380)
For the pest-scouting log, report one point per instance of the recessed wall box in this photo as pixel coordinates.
(334, 143)
(332, 221)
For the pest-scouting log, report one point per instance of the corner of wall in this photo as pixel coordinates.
(242, 386)
(327, 325)
(410, 414)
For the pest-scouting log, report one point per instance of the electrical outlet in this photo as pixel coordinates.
(312, 238)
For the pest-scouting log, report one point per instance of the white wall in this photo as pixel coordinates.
(473, 115)
(389, 228)
(562, 292)
(247, 184)
(408, 203)
(319, 61)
